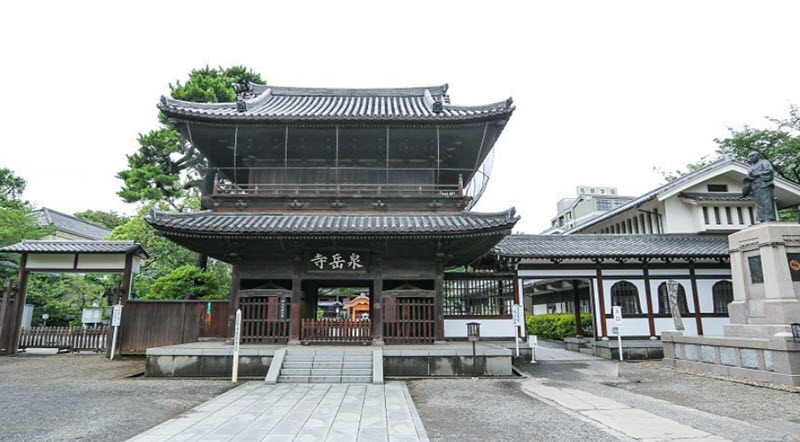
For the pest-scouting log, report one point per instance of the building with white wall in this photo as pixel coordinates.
(705, 201)
(590, 202)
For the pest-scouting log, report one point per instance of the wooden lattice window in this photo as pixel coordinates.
(663, 300)
(626, 295)
(722, 292)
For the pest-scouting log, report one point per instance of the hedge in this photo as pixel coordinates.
(558, 325)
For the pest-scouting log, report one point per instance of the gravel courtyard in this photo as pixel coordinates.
(87, 397)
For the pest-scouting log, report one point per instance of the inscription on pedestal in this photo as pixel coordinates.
(756, 272)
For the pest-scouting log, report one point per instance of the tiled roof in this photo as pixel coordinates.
(587, 246)
(322, 224)
(70, 224)
(74, 247)
(715, 196)
(297, 103)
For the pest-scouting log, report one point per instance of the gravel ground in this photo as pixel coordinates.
(489, 410)
(729, 409)
(87, 397)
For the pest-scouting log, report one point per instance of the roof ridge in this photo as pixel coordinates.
(47, 211)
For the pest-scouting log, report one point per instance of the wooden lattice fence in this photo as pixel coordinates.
(337, 331)
(409, 321)
(64, 338)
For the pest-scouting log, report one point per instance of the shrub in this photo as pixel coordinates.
(558, 325)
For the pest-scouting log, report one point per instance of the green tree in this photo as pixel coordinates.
(185, 282)
(16, 221)
(167, 168)
(11, 188)
(109, 219)
(164, 165)
(165, 255)
(63, 296)
(779, 144)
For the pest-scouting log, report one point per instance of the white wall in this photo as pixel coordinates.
(490, 328)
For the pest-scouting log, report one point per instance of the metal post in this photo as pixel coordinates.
(236, 338)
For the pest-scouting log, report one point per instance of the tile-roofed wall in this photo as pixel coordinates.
(589, 246)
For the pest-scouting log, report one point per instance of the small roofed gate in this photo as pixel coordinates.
(408, 315)
(265, 315)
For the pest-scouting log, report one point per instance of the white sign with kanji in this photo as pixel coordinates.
(338, 261)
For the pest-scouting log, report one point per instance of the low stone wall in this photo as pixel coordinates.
(167, 362)
(178, 362)
(632, 350)
(776, 361)
(446, 362)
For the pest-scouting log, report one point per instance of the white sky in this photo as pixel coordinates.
(604, 91)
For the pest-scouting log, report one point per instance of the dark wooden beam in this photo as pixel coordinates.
(577, 300)
(297, 302)
(650, 321)
(438, 304)
(377, 301)
(19, 304)
(234, 299)
(601, 299)
(696, 299)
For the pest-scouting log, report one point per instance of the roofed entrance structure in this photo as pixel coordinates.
(319, 185)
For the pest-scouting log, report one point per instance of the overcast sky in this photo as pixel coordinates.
(605, 91)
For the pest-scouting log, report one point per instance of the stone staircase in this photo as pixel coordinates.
(326, 366)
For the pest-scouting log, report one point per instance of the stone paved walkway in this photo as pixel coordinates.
(303, 412)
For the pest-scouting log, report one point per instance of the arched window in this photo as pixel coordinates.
(722, 293)
(663, 300)
(625, 295)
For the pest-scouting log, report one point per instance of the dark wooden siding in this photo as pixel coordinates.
(147, 324)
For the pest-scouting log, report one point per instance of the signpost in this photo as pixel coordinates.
(237, 333)
(618, 327)
(116, 320)
(518, 317)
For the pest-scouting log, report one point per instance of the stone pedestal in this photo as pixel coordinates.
(758, 342)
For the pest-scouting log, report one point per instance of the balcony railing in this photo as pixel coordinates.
(340, 189)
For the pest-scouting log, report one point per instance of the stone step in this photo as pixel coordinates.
(587, 351)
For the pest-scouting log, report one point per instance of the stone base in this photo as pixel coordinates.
(775, 360)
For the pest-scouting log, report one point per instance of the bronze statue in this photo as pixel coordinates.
(761, 183)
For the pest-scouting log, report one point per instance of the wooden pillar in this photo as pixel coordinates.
(696, 299)
(377, 302)
(127, 274)
(19, 305)
(110, 332)
(233, 302)
(438, 302)
(650, 320)
(297, 304)
(601, 301)
(577, 300)
(5, 330)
